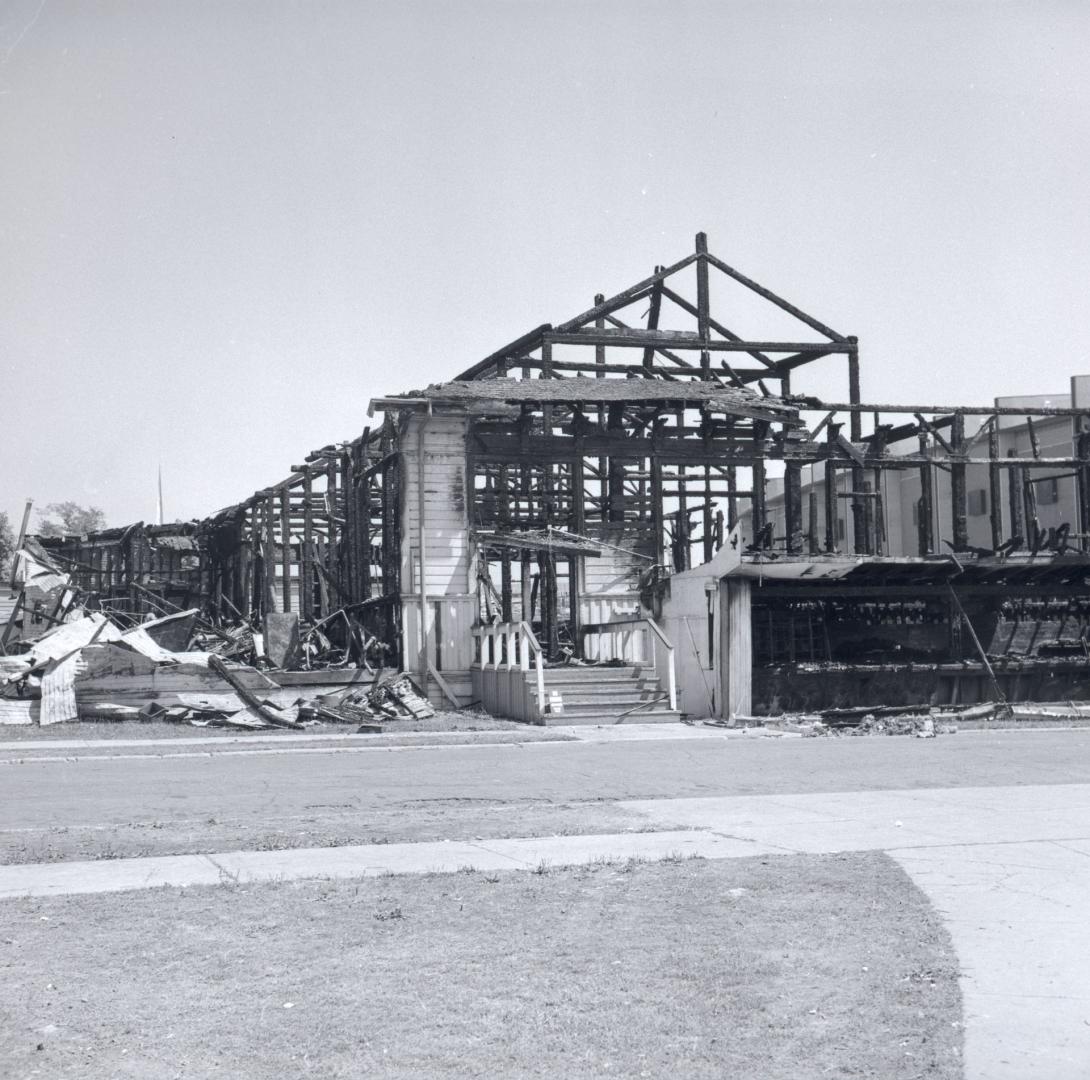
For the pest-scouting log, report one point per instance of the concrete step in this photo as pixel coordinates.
(605, 706)
(643, 716)
(593, 674)
(613, 686)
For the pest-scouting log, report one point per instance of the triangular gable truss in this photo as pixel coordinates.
(708, 352)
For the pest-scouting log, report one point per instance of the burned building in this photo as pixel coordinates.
(610, 512)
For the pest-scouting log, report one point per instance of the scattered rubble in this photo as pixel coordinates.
(921, 721)
(89, 664)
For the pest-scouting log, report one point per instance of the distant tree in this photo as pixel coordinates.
(7, 545)
(70, 519)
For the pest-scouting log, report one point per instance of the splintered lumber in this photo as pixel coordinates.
(405, 694)
(269, 715)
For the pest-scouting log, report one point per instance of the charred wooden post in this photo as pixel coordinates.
(759, 513)
(792, 487)
(575, 562)
(333, 534)
(1082, 451)
(812, 541)
(869, 518)
(347, 564)
(285, 548)
(879, 515)
(268, 593)
(658, 523)
(505, 587)
(526, 586)
(959, 498)
(652, 323)
(366, 512)
(832, 510)
(703, 303)
(995, 485)
(926, 513)
(855, 428)
(306, 564)
(708, 537)
(1016, 500)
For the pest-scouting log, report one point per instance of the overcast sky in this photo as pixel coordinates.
(226, 226)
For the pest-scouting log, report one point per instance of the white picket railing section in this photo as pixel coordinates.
(499, 682)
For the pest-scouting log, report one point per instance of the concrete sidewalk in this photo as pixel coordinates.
(49, 749)
(1007, 867)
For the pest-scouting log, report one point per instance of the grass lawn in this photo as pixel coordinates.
(781, 968)
(405, 822)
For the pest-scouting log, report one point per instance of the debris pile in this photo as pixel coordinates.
(393, 698)
(90, 664)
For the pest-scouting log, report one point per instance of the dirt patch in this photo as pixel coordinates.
(778, 968)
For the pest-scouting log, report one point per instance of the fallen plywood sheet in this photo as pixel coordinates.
(172, 632)
(59, 691)
(282, 638)
(142, 641)
(18, 711)
(97, 660)
(71, 636)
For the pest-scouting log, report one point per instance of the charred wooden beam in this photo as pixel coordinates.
(718, 327)
(526, 343)
(635, 338)
(627, 296)
(772, 298)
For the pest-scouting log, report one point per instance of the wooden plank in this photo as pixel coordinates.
(270, 716)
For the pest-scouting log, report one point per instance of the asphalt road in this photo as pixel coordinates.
(82, 792)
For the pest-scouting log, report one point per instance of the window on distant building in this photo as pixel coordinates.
(1048, 491)
(840, 528)
(978, 502)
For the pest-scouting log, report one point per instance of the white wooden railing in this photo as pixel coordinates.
(506, 651)
(641, 640)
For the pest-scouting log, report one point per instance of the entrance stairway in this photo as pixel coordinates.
(601, 694)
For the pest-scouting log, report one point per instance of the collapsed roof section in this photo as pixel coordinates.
(480, 395)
